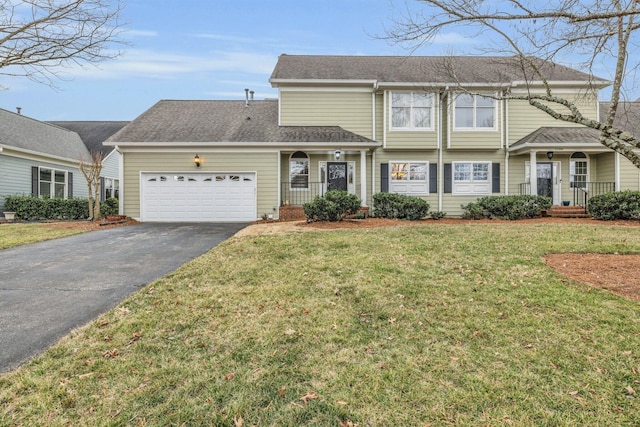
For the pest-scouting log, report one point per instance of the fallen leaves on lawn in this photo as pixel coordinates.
(309, 396)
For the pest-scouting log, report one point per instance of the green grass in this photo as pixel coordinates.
(21, 234)
(406, 326)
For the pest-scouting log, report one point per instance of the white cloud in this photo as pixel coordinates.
(141, 33)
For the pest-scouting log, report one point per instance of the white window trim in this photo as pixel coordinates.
(411, 127)
(351, 170)
(475, 128)
(586, 159)
(52, 189)
(477, 188)
(421, 186)
(308, 160)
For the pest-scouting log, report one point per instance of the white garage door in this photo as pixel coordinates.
(198, 197)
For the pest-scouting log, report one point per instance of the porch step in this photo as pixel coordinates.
(568, 212)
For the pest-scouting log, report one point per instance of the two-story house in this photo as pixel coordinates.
(448, 129)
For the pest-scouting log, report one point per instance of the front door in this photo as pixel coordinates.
(337, 176)
(544, 172)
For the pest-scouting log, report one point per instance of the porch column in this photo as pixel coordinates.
(533, 175)
(363, 177)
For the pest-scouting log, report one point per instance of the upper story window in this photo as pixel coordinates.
(411, 110)
(52, 183)
(474, 112)
(299, 171)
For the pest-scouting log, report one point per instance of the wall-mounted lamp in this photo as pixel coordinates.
(337, 154)
(549, 155)
(197, 160)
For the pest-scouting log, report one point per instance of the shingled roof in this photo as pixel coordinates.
(416, 69)
(223, 121)
(93, 133)
(24, 133)
(627, 116)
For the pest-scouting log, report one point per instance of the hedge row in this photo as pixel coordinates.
(615, 205)
(30, 208)
(506, 207)
(399, 206)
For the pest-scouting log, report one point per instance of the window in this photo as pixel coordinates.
(52, 183)
(299, 171)
(578, 170)
(474, 112)
(409, 177)
(112, 187)
(411, 110)
(471, 178)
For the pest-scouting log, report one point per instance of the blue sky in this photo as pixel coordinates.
(211, 49)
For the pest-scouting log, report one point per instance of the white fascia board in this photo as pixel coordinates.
(277, 82)
(573, 83)
(565, 147)
(243, 146)
(327, 89)
(33, 154)
(441, 85)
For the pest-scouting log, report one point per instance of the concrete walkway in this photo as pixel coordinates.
(49, 288)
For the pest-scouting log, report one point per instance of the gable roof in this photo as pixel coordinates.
(93, 133)
(223, 121)
(30, 135)
(416, 69)
(627, 116)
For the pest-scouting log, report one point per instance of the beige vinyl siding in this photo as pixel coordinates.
(629, 175)
(401, 139)
(264, 164)
(524, 118)
(603, 168)
(352, 111)
(380, 117)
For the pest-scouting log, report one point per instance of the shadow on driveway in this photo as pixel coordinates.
(49, 288)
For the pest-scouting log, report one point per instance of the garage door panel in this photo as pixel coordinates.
(199, 197)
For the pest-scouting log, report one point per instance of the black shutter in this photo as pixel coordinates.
(447, 177)
(384, 177)
(70, 185)
(495, 177)
(433, 177)
(35, 190)
(103, 191)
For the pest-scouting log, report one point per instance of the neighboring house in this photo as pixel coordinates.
(39, 159)
(93, 134)
(367, 124)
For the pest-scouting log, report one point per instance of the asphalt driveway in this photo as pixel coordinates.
(49, 288)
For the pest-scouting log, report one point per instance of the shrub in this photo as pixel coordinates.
(333, 206)
(615, 205)
(399, 206)
(437, 214)
(30, 208)
(109, 206)
(506, 207)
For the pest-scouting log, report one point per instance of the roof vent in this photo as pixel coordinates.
(246, 97)
(252, 92)
(18, 109)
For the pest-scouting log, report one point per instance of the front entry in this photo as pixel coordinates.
(337, 176)
(544, 172)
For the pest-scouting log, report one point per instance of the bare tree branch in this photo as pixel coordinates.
(37, 37)
(598, 30)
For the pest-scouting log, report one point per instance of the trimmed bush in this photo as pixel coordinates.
(615, 205)
(333, 206)
(399, 206)
(30, 208)
(506, 207)
(109, 206)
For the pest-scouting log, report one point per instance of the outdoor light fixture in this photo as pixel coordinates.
(337, 154)
(197, 160)
(549, 155)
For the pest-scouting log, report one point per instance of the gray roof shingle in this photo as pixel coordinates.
(416, 69)
(93, 133)
(29, 134)
(627, 116)
(223, 121)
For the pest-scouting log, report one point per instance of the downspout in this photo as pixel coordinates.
(121, 184)
(506, 147)
(440, 188)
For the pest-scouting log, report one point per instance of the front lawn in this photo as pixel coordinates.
(435, 324)
(23, 233)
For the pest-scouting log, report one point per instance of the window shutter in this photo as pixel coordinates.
(433, 177)
(35, 191)
(384, 177)
(495, 177)
(447, 177)
(103, 191)
(70, 185)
